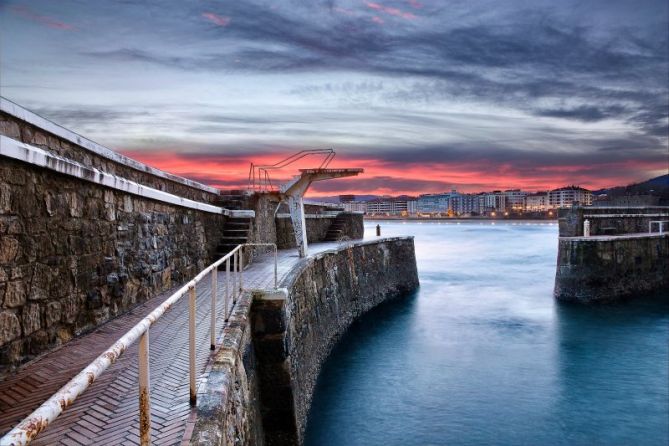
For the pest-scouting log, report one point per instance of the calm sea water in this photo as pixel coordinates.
(482, 355)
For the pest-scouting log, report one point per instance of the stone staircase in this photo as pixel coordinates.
(232, 199)
(237, 229)
(235, 232)
(336, 230)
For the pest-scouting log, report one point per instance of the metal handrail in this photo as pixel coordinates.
(24, 432)
(259, 178)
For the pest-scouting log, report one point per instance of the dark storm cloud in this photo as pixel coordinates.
(408, 185)
(531, 84)
(583, 113)
(635, 147)
(621, 72)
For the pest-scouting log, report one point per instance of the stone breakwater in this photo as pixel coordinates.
(262, 380)
(619, 259)
(604, 269)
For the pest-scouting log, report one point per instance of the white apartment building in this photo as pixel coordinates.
(433, 203)
(515, 199)
(566, 196)
(490, 202)
(392, 205)
(355, 206)
(537, 202)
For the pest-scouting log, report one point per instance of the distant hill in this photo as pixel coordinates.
(648, 193)
(335, 198)
(654, 186)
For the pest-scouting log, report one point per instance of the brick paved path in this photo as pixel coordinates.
(107, 412)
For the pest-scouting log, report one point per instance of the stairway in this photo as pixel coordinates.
(235, 232)
(231, 199)
(336, 229)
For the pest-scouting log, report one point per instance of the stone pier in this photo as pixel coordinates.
(618, 259)
(279, 341)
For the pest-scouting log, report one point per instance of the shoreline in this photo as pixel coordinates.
(461, 219)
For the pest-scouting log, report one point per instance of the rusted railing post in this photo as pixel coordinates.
(227, 287)
(191, 343)
(214, 290)
(241, 269)
(144, 391)
(234, 277)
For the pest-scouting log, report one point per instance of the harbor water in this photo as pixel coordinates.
(481, 354)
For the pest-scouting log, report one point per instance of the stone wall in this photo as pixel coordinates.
(272, 226)
(327, 292)
(602, 269)
(20, 130)
(292, 335)
(74, 254)
(317, 228)
(228, 405)
(353, 225)
(609, 220)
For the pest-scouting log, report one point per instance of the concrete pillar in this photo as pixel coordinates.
(586, 228)
(296, 208)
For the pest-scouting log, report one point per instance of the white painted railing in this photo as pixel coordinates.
(40, 418)
(660, 225)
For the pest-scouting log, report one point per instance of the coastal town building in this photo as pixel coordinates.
(493, 202)
(537, 202)
(454, 203)
(465, 204)
(355, 206)
(433, 203)
(402, 205)
(569, 195)
(515, 199)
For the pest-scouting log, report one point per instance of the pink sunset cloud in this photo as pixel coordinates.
(27, 13)
(390, 10)
(216, 19)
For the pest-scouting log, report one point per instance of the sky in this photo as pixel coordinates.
(425, 95)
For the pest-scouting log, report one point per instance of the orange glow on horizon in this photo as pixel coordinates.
(387, 178)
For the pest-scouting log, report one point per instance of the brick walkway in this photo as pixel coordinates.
(107, 412)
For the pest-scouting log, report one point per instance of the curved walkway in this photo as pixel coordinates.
(107, 412)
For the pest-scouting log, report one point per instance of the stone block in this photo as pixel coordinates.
(10, 129)
(75, 205)
(5, 198)
(31, 319)
(41, 282)
(39, 139)
(27, 133)
(70, 309)
(52, 313)
(9, 249)
(10, 327)
(15, 294)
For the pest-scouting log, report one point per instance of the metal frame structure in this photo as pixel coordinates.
(24, 432)
(259, 175)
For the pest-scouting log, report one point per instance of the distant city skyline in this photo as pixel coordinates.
(425, 95)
